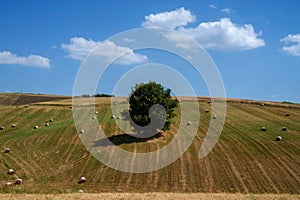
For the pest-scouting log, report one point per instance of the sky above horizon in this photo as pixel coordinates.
(255, 44)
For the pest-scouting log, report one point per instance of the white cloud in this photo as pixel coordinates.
(129, 39)
(6, 57)
(221, 35)
(180, 40)
(224, 35)
(292, 49)
(79, 48)
(226, 10)
(173, 19)
(110, 51)
(213, 6)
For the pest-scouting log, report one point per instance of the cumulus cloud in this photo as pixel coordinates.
(293, 49)
(6, 57)
(79, 48)
(220, 35)
(110, 50)
(180, 40)
(224, 35)
(172, 19)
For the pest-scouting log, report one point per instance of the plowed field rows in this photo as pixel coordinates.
(245, 159)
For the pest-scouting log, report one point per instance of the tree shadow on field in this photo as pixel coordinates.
(124, 139)
(140, 134)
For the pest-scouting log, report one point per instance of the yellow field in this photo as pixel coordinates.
(51, 159)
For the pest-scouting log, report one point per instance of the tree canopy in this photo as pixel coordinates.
(143, 103)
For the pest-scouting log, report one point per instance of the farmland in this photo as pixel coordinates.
(245, 159)
(151, 196)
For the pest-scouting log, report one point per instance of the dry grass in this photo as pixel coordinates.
(152, 196)
(51, 160)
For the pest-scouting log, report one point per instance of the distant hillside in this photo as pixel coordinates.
(22, 99)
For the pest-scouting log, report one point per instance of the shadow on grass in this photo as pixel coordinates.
(124, 139)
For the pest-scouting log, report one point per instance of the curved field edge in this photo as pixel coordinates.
(151, 196)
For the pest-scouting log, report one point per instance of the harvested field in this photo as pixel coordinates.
(150, 196)
(245, 159)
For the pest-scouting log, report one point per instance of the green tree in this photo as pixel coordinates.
(143, 103)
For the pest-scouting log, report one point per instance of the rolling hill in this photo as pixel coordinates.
(51, 159)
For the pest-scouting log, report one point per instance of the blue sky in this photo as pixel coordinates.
(255, 44)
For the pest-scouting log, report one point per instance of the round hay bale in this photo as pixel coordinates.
(278, 138)
(209, 102)
(81, 131)
(47, 124)
(94, 117)
(36, 127)
(51, 120)
(206, 110)
(18, 181)
(13, 125)
(215, 117)
(8, 184)
(80, 191)
(119, 117)
(113, 117)
(287, 114)
(284, 129)
(2, 128)
(10, 172)
(82, 180)
(71, 107)
(116, 104)
(189, 123)
(96, 112)
(263, 128)
(6, 150)
(262, 104)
